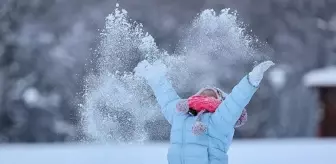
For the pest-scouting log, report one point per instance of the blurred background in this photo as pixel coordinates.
(46, 50)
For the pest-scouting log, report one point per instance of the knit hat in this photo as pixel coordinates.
(197, 104)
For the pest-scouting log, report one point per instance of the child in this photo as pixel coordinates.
(202, 125)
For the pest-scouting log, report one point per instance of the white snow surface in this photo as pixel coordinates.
(325, 77)
(293, 151)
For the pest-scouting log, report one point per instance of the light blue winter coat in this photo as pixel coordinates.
(212, 146)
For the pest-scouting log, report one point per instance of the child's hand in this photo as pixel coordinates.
(147, 70)
(142, 69)
(257, 74)
(158, 66)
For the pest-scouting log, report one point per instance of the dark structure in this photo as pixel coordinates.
(324, 80)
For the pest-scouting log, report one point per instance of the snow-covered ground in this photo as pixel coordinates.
(299, 151)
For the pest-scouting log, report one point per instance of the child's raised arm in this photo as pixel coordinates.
(163, 90)
(232, 107)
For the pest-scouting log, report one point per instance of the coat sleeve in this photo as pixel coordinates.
(232, 107)
(165, 95)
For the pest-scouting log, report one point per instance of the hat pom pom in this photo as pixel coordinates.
(242, 119)
(198, 128)
(182, 106)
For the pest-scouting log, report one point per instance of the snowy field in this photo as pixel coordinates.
(242, 152)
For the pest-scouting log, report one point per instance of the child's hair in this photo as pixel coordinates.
(209, 92)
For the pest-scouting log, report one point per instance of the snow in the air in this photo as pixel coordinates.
(207, 55)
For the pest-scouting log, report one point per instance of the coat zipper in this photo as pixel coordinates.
(183, 140)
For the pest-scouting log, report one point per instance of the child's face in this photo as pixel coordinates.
(209, 93)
